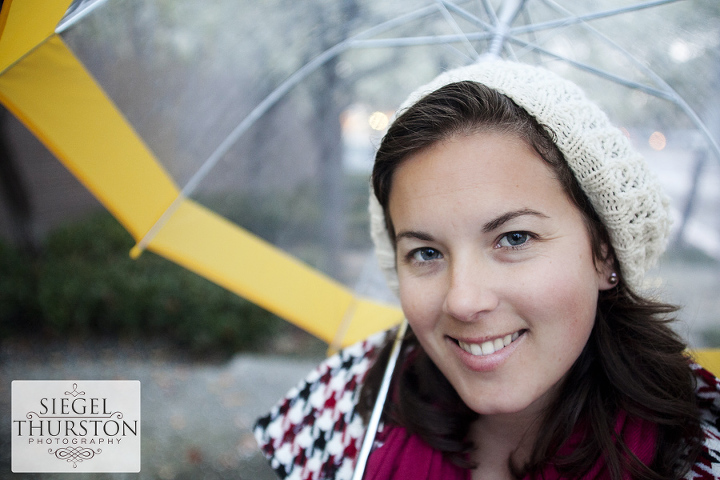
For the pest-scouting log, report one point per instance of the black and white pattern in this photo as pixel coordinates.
(315, 433)
(707, 467)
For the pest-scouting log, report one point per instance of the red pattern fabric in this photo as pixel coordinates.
(407, 456)
(404, 456)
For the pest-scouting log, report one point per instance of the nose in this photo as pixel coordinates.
(470, 291)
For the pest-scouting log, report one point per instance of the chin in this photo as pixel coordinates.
(523, 403)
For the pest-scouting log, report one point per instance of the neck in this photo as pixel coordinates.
(498, 438)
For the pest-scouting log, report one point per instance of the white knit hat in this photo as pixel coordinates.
(625, 194)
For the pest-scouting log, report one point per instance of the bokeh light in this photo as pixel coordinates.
(378, 121)
(657, 141)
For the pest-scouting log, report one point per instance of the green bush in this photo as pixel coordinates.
(18, 310)
(84, 283)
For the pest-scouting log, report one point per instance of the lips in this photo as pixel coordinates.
(490, 346)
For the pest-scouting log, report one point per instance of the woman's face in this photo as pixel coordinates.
(496, 272)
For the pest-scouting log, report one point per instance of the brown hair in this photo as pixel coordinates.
(633, 362)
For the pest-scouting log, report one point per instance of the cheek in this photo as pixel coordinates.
(572, 281)
(568, 298)
(574, 318)
(420, 300)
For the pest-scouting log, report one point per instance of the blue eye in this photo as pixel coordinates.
(425, 254)
(513, 239)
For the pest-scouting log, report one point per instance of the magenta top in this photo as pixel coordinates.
(403, 456)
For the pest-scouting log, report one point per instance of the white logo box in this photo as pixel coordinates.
(77, 426)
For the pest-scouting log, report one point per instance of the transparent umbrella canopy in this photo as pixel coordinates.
(263, 117)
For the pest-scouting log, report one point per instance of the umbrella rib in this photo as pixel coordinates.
(480, 23)
(418, 41)
(463, 13)
(454, 50)
(490, 12)
(261, 109)
(377, 410)
(75, 17)
(506, 16)
(501, 28)
(442, 5)
(26, 54)
(590, 16)
(597, 71)
(533, 37)
(470, 17)
(429, 40)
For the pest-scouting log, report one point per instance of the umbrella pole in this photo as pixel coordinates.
(509, 10)
(379, 404)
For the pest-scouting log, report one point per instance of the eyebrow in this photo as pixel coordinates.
(487, 227)
(425, 237)
(506, 217)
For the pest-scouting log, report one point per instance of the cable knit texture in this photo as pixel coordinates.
(615, 177)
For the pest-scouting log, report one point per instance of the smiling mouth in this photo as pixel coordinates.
(489, 347)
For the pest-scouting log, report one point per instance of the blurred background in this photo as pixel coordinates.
(185, 74)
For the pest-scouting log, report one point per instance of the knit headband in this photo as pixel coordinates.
(625, 194)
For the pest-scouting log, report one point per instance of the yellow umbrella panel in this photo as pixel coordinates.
(51, 92)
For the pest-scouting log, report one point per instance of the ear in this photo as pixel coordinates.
(605, 270)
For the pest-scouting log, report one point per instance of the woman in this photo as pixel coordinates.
(516, 225)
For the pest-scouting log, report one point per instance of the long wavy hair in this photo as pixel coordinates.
(632, 363)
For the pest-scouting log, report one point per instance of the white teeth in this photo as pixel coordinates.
(489, 347)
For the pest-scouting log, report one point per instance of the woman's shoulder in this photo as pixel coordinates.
(707, 391)
(314, 431)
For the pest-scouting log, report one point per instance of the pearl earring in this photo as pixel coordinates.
(613, 278)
